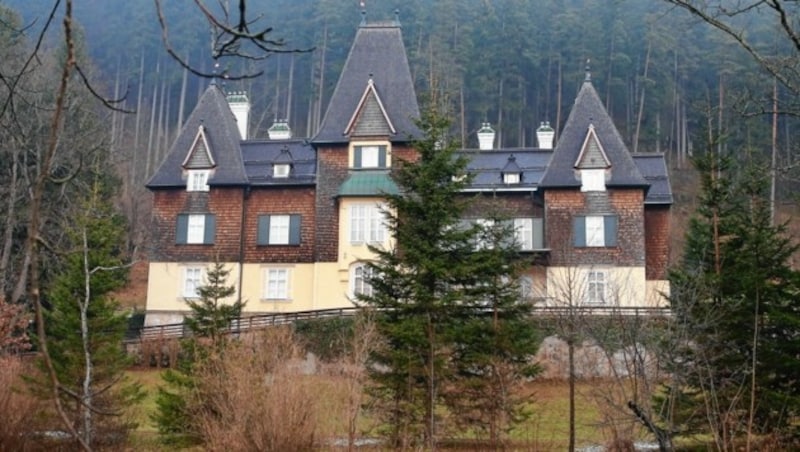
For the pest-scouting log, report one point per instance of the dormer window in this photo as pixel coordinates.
(511, 178)
(281, 170)
(369, 156)
(593, 180)
(512, 173)
(197, 180)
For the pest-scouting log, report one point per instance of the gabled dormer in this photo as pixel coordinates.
(512, 173)
(370, 118)
(198, 163)
(282, 165)
(592, 164)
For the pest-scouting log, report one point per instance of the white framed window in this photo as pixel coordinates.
(276, 285)
(523, 232)
(192, 280)
(195, 231)
(526, 289)
(595, 231)
(593, 180)
(369, 156)
(280, 170)
(279, 230)
(596, 287)
(360, 274)
(197, 180)
(367, 223)
(482, 240)
(511, 178)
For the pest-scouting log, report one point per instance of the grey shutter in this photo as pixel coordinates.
(262, 237)
(294, 229)
(181, 229)
(357, 157)
(209, 229)
(381, 156)
(538, 233)
(610, 229)
(579, 231)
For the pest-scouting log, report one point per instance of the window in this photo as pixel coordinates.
(511, 178)
(593, 180)
(280, 170)
(360, 275)
(277, 284)
(595, 231)
(529, 233)
(369, 156)
(192, 280)
(367, 224)
(484, 234)
(526, 289)
(596, 287)
(197, 180)
(195, 229)
(278, 230)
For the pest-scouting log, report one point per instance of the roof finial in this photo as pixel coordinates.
(397, 16)
(588, 71)
(214, 74)
(363, 13)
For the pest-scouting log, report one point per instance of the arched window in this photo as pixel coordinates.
(360, 274)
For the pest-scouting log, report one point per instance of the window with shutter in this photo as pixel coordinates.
(369, 156)
(595, 231)
(278, 230)
(194, 229)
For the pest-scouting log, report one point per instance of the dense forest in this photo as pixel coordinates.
(671, 83)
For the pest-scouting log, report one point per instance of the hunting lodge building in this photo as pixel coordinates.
(292, 218)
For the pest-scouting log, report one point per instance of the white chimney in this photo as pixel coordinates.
(545, 135)
(240, 106)
(486, 137)
(280, 130)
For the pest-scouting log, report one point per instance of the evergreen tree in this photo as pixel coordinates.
(737, 295)
(211, 315)
(441, 298)
(85, 326)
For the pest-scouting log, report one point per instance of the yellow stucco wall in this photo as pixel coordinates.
(626, 286)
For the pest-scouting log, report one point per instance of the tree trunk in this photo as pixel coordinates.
(641, 99)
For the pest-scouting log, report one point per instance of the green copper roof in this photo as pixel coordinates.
(368, 183)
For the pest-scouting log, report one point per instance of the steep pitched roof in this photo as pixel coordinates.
(222, 137)
(378, 53)
(587, 112)
(654, 169)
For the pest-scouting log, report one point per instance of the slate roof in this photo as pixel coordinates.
(487, 167)
(212, 111)
(260, 155)
(588, 109)
(654, 169)
(377, 52)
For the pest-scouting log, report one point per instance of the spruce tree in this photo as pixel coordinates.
(211, 316)
(441, 300)
(737, 296)
(84, 325)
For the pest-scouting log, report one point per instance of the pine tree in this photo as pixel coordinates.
(443, 303)
(738, 297)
